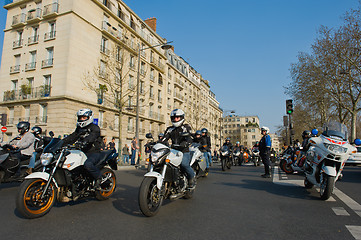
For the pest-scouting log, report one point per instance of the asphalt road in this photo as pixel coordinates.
(237, 204)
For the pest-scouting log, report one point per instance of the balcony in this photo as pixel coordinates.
(19, 20)
(33, 39)
(18, 44)
(34, 15)
(30, 66)
(15, 69)
(157, 64)
(51, 10)
(47, 63)
(178, 96)
(156, 116)
(179, 83)
(32, 93)
(49, 36)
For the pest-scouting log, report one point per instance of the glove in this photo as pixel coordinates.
(80, 145)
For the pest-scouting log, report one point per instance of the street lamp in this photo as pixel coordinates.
(164, 46)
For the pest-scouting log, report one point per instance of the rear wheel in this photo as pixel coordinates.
(229, 163)
(150, 198)
(286, 167)
(108, 184)
(326, 186)
(29, 201)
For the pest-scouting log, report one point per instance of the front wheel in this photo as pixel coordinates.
(326, 186)
(229, 163)
(223, 164)
(287, 168)
(308, 184)
(29, 201)
(107, 184)
(150, 198)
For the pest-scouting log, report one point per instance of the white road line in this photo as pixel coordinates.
(276, 179)
(331, 199)
(355, 231)
(348, 201)
(340, 211)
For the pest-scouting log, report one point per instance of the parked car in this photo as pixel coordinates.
(355, 158)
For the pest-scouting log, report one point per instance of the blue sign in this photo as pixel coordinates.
(95, 121)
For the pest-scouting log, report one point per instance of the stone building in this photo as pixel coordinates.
(63, 55)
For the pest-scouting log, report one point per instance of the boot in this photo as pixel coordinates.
(191, 183)
(29, 171)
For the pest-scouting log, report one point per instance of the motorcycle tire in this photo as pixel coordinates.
(108, 176)
(150, 197)
(326, 186)
(223, 164)
(229, 164)
(2, 175)
(286, 167)
(308, 184)
(28, 201)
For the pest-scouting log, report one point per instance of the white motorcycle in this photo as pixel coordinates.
(326, 158)
(64, 178)
(198, 162)
(164, 179)
(292, 161)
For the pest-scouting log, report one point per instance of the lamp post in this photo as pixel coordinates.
(164, 46)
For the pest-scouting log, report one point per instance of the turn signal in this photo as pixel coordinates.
(147, 160)
(167, 160)
(354, 151)
(313, 142)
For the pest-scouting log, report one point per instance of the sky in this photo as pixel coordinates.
(244, 48)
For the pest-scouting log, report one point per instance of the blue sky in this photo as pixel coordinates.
(244, 48)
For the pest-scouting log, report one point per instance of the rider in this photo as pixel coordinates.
(265, 151)
(174, 133)
(198, 138)
(25, 142)
(38, 147)
(87, 137)
(237, 148)
(207, 154)
(228, 144)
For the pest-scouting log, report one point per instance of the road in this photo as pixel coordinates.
(236, 204)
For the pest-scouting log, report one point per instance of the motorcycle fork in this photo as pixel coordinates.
(52, 175)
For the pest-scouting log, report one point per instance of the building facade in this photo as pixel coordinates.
(62, 55)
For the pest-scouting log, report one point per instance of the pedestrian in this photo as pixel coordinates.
(103, 145)
(125, 153)
(111, 145)
(134, 146)
(265, 151)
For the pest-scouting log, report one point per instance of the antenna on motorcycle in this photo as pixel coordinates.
(357, 141)
(314, 132)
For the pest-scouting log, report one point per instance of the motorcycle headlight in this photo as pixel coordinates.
(45, 158)
(335, 148)
(157, 155)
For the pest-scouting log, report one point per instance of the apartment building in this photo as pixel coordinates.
(63, 55)
(244, 129)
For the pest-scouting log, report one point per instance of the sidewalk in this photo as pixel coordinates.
(124, 167)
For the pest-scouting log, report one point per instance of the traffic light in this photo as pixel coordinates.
(3, 118)
(289, 106)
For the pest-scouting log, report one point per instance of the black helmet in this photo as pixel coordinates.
(23, 127)
(306, 134)
(228, 139)
(37, 130)
(204, 130)
(198, 132)
(161, 135)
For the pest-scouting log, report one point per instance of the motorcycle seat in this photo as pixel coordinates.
(103, 156)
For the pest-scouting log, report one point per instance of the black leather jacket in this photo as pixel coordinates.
(174, 134)
(89, 136)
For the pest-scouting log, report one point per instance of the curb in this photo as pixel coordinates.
(131, 167)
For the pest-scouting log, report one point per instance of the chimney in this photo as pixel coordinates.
(152, 23)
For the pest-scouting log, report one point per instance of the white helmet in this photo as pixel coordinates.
(87, 113)
(177, 113)
(265, 129)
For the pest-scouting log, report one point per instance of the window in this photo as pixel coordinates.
(130, 100)
(43, 113)
(120, 31)
(116, 122)
(131, 62)
(49, 61)
(120, 14)
(141, 87)
(104, 46)
(159, 96)
(253, 136)
(142, 68)
(130, 125)
(19, 40)
(51, 31)
(118, 54)
(30, 82)
(34, 35)
(117, 76)
(14, 85)
(47, 80)
(152, 74)
(33, 57)
(151, 92)
(246, 120)
(131, 85)
(27, 113)
(11, 115)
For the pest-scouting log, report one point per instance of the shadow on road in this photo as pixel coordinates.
(126, 199)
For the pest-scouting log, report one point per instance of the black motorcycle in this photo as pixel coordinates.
(226, 158)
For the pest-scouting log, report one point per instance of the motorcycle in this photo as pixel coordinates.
(255, 157)
(226, 160)
(237, 157)
(198, 161)
(326, 158)
(64, 178)
(164, 180)
(245, 157)
(11, 169)
(292, 161)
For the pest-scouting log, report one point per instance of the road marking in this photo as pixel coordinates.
(276, 179)
(355, 231)
(348, 201)
(340, 211)
(331, 199)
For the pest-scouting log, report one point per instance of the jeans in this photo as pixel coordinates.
(185, 164)
(126, 158)
(132, 160)
(32, 160)
(208, 157)
(90, 164)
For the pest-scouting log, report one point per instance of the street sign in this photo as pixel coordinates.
(95, 121)
(4, 129)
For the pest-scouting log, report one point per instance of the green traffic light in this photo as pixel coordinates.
(289, 111)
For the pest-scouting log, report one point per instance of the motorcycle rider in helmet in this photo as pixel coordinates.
(306, 135)
(198, 138)
(207, 154)
(182, 143)
(87, 138)
(38, 148)
(228, 144)
(236, 148)
(265, 151)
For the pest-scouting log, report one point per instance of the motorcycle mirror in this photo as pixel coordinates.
(357, 141)
(314, 131)
(51, 134)
(148, 135)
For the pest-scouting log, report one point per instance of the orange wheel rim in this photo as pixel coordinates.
(109, 192)
(36, 196)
